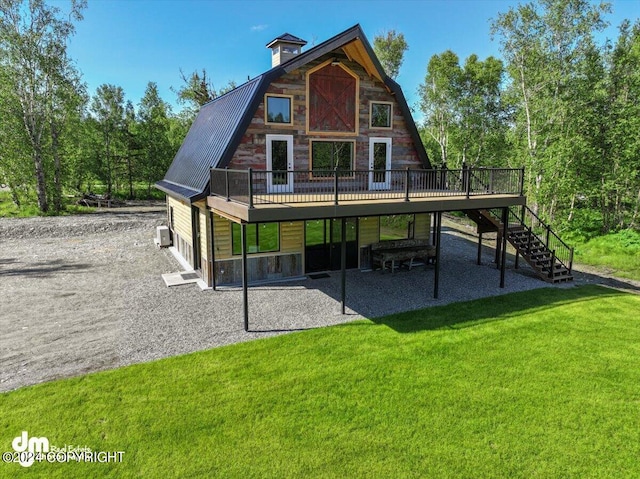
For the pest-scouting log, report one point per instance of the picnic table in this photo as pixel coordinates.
(401, 251)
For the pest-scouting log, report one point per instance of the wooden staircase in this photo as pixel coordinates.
(549, 256)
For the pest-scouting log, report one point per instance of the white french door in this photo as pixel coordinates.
(280, 163)
(379, 163)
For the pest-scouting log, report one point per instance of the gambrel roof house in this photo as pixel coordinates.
(303, 168)
(221, 124)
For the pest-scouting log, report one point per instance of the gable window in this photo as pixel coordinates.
(278, 109)
(261, 238)
(332, 99)
(329, 155)
(380, 114)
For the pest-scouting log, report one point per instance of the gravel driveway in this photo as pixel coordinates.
(85, 293)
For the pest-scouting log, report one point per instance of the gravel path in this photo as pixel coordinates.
(85, 293)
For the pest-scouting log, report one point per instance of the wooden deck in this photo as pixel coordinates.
(275, 207)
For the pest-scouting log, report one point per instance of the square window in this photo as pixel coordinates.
(278, 109)
(329, 155)
(380, 115)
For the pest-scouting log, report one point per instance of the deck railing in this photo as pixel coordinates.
(254, 187)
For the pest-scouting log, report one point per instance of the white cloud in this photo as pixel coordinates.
(258, 28)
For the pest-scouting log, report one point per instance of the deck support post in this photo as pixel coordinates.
(503, 260)
(498, 247)
(436, 279)
(479, 260)
(245, 300)
(433, 231)
(343, 265)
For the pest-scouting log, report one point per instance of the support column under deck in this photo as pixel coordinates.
(343, 265)
(438, 240)
(245, 299)
(503, 259)
(433, 231)
(479, 260)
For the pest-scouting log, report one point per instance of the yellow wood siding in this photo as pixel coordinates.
(422, 226)
(292, 237)
(204, 233)
(222, 237)
(369, 230)
(181, 219)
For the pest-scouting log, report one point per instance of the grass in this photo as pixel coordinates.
(8, 209)
(140, 191)
(619, 252)
(536, 384)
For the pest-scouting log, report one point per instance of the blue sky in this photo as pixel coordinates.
(131, 42)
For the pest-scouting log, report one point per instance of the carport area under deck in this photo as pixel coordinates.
(267, 211)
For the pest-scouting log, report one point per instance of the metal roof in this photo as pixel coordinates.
(287, 37)
(207, 141)
(221, 123)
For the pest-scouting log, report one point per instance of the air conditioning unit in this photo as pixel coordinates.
(163, 237)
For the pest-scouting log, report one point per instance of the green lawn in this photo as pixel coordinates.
(8, 209)
(537, 384)
(618, 253)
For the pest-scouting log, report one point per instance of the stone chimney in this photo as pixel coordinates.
(284, 48)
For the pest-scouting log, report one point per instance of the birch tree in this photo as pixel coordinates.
(107, 107)
(33, 38)
(390, 48)
(439, 97)
(154, 130)
(542, 44)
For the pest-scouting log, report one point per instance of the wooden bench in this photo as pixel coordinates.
(401, 250)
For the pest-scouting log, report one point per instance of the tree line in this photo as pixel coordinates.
(559, 104)
(57, 139)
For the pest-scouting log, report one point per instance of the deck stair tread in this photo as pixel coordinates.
(526, 243)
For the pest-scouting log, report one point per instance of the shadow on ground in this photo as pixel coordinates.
(482, 311)
(42, 269)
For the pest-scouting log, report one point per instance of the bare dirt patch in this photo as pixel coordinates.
(63, 281)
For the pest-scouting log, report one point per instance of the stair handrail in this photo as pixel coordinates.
(568, 249)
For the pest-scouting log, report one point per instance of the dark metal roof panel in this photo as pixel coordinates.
(209, 137)
(287, 37)
(179, 191)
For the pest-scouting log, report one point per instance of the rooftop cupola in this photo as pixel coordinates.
(284, 48)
